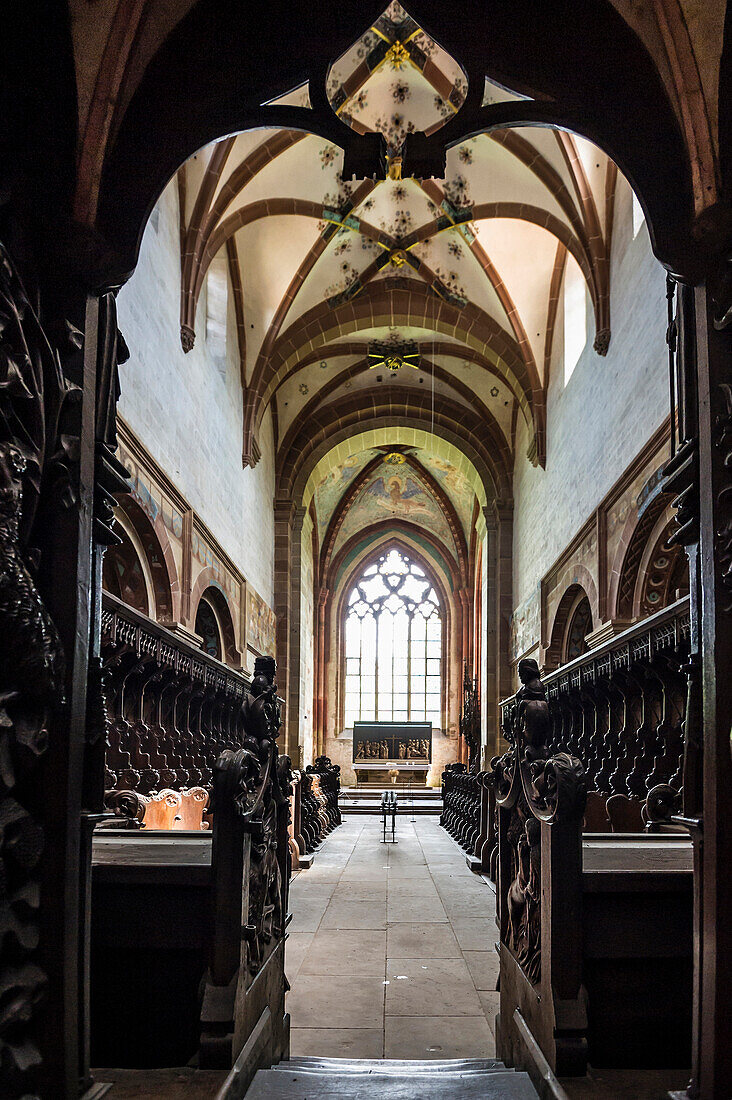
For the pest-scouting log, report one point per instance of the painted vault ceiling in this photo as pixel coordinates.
(435, 299)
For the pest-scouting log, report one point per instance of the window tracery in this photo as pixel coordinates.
(393, 644)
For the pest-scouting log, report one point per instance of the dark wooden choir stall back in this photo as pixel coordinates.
(594, 881)
(188, 924)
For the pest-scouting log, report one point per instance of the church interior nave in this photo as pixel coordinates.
(365, 555)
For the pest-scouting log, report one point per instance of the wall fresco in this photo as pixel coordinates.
(205, 556)
(455, 484)
(526, 625)
(332, 487)
(261, 623)
(149, 496)
(395, 491)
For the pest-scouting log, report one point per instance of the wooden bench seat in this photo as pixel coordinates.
(637, 908)
(150, 941)
(615, 988)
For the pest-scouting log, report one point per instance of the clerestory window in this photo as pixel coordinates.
(393, 645)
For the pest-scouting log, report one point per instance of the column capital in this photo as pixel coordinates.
(297, 519)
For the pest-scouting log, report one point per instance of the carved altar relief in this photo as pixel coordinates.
(417, 748)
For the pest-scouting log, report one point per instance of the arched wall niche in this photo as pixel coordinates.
(579, 625)
(574, 610)
(663, 571)
(207, 590)
(126, 573)
(634, 548)
(209, 629)
(152, 545)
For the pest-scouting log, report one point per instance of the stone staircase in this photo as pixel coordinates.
(367, 800)
(364, 1079)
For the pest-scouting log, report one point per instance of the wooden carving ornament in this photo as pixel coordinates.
(32, 393)
(531, 791)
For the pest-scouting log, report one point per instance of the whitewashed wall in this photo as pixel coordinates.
(187, 409)
(602, 418)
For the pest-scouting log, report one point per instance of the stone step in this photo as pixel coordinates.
(427, 793)
(375, 809)
(373, 1066)
(360, 800)
(408, 1084)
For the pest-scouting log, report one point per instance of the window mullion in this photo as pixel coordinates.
(376, 672)
(360, 669)
(409, 670)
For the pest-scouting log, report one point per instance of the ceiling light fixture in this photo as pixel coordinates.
(393, 356)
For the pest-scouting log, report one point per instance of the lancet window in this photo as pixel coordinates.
(393, 644)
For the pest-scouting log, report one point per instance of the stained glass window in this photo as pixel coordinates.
(393, 645)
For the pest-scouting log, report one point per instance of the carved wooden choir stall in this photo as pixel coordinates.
(594, 881)
(315, 807)
(191, 868)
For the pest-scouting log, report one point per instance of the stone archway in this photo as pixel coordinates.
(620, 104)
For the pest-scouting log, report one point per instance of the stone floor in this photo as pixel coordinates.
(390, 953)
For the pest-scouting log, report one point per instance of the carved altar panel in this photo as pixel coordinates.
(392, 741)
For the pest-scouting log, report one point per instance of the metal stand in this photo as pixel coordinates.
(388, 810)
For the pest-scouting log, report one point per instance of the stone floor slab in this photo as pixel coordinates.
(484, 968)
(475, 933)
(421, 941)
(430, 987)
(346, 951)
(296, 946)
(434, 1037)
(429, 910)
(412, 888)
(491, 1002)
(355, 914)
(338, 1000)
(307, 914)
(336, 1042)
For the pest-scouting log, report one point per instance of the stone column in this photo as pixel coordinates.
(499, 607)
(292, 698)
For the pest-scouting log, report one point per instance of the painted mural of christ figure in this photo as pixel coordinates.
(398, 495)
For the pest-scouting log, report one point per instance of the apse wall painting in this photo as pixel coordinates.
(332, 487)
(395, 493)
(261, 624)
(455, 484)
